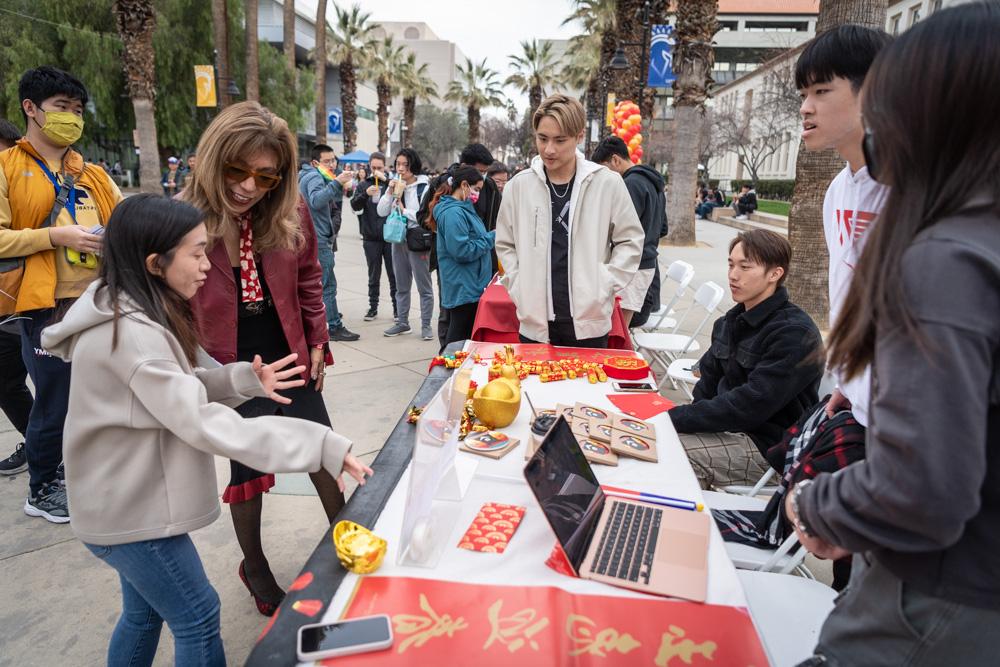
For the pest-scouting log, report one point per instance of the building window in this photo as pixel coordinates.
(894, 24)
(935, 5)
(728, 26)
(777, 26)
(411, 33)
(914, 15)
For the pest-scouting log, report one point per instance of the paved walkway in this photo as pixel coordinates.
(58, 603)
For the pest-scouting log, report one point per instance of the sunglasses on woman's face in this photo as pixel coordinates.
(263, 180)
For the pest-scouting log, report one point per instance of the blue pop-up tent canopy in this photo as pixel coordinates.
(355, 157)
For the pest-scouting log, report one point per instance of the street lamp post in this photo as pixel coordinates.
(620, 61)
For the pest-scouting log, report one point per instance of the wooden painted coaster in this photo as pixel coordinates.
(590, 412)
(601, 430)
(634, 426)
(597, 452)
(634, 446)
(492, 444)
(580, 427)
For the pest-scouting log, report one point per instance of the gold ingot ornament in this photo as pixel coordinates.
(359, 550)
(497, 403)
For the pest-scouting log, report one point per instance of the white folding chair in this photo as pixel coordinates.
(680, 373)
(681, 273)
(663, 348)
(774, 599)
(746, 557)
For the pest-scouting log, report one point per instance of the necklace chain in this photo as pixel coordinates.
(552, 186)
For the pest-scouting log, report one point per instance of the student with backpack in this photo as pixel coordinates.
(148, 410)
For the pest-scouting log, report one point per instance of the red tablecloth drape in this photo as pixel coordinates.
(496, 320)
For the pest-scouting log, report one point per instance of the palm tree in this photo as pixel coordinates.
(693, 58)
(584, 56)
(253, 62)
(384, 67)
(288, 33)
(807, 283)
(220, 37)
(352, 40)
(536, 69)
(320, 58)
(136, 21)
(414, 86)
(628, 21)
(475, 87)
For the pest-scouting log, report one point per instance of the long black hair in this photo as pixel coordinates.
(934, 141)
(140, 226)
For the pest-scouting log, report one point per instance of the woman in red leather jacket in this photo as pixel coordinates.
(263, 295)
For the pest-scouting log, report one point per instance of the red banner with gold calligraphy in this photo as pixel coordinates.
(449, 623)
(545, 352)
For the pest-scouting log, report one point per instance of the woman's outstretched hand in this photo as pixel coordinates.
(356, 469)
(275, 376)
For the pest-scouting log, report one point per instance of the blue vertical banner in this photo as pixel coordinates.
(334, 121)
(661, 57)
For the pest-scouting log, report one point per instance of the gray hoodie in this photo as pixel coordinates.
(143, 425)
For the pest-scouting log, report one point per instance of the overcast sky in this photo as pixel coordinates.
(491, 29)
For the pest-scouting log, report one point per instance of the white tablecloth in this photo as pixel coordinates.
(523, 563)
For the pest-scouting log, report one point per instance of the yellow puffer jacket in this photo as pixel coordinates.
(31, 200)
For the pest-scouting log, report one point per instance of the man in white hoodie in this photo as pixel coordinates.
(567, 236)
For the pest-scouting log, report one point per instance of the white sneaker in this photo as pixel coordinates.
(741, 217)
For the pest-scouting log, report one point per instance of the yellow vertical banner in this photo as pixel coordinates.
(204, 85)
(609, 115)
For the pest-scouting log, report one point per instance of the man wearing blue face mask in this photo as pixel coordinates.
(52, 210)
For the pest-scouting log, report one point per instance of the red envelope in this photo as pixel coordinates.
(641, 406)
(492, 528)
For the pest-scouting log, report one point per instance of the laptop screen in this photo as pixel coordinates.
(567, 490)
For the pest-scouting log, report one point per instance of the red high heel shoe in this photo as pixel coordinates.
(264, 607)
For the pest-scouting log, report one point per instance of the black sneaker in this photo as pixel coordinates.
(61, 474)
(50, 504)
(371, 315)
(15, 463)
(343, 334)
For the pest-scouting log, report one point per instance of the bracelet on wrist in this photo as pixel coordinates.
(800, 524)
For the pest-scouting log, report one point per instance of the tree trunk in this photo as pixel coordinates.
(473, 112)
(384, 94)
(220, 35)
(814, 170)
(628, 18)
(409, 118)
(136, 22)
(609, 41)
(534, 98)
(349, 102)
(321, 72)
(693, 58)
(595, 111)
(288, 33)
(253, 63)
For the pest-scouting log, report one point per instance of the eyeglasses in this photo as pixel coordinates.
(263, 180)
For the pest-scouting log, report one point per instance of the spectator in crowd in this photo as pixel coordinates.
(499, 174)
(370, 188)
(759, 374)
(116, 168)
(323, 190)
(192, 162)
(709, 199)
(404, 194)
(146, 419)
(645, 186)
(746, 202)
(56, 238)
(15, 399)
(564, 284)
(173, 177)
(829, 75)
(263, 295)
(923, 311)
(463, 250)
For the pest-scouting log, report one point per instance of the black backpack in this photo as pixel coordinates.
(421, 238)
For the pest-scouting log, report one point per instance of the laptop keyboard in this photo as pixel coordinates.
(627, 542)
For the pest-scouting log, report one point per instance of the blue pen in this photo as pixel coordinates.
(656, 499)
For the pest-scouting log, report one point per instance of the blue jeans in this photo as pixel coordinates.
(163, 580)
(50, 375)
(326, 262)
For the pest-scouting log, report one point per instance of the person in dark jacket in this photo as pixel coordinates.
(463, 250)
(921, 513)
(758, 376)
(323, 190)
(645, 186)
(746, 202)
(377, 252)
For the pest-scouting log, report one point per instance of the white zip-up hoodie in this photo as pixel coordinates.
(605, 245)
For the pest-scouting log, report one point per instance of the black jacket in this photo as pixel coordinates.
(645, 185)
(369, 220)
(748, 201)
(758, 376)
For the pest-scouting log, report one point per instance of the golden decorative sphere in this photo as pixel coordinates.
(497, 403)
